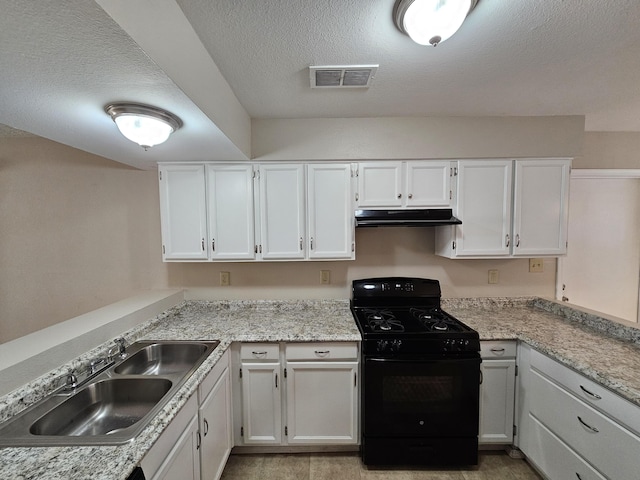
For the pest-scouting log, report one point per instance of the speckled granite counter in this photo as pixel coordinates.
(581, 341)
(575, 339)
(225, 321)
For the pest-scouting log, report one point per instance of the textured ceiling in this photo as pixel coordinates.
(515, 57)
(61, 62)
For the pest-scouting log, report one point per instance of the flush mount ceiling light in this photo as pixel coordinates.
(431, 22)
(143, 124)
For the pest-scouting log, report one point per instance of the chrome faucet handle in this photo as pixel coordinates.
(94, 363)
(121, 343)
(119, 348)
(71, 382)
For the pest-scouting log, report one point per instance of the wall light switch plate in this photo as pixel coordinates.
(225, 279)
(325, 277)
(536, 265)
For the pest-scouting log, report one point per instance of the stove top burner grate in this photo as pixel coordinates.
(382, 321)
(435, 320)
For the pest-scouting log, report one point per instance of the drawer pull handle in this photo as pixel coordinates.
(594, 395)
(322, 353)
(586, 425)
(497, 350)
(260, 354)
(578, 476)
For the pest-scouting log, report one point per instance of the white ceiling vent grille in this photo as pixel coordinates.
(342, 76)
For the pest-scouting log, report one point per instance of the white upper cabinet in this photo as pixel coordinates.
(427, 184)
(413, 184)
(508, 208)
(380, 185)
(330, 211)
(230, 207)
(541, 199)
(484, 202)
(183, 212)
(282, 211)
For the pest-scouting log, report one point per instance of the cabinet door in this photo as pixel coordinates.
(484, 206)
(330, 213)
(282, 211)
(322, 402)
(261, 403)
(497, 394)
(183, 461)
(183, 212)
(380, 185)
(541, 199)
(428, 184)
(215, 429)
(230, 209)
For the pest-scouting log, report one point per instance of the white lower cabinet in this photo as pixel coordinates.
(554, 457)
(299, 393)
(175, 455)
(214, 417)
(322, 394)
(497, 392)
(570, 424)
(197, 442)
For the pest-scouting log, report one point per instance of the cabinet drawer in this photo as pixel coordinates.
(554, 457)
(322, 351)
(589, 391)
(584, 429)
(260, 351)
(498, 348)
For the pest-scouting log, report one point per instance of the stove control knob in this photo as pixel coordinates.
(395, 345)
(382, 345)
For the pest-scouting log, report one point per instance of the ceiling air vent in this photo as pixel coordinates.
(342, 76)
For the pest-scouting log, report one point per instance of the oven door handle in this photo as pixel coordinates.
(422, 359)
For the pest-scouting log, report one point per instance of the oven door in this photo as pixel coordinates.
(421, 396)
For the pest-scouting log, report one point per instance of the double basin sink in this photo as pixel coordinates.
(115, 404)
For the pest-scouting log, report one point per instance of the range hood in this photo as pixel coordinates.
(430, 217)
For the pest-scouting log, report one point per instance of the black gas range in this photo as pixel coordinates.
(421, 375)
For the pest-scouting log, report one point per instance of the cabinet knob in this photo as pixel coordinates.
(411, 195)
(399, 195)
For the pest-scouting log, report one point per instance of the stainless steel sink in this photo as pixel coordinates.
(103, 408)
(115, 404)
(162, 359)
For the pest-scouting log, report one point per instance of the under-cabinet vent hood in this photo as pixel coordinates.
(431, 217)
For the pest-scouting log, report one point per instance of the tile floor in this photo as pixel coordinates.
(492, 465)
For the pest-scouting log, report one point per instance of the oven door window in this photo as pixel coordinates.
(421, 397)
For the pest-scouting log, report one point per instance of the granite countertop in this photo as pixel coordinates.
(579, 341)
(601, 350)
(227, 321)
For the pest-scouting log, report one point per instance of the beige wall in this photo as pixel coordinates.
(77, 232)
(379, 252)
(610, 150)
(416, 137)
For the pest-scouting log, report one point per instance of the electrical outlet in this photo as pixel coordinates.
(536, 265)
(493, 276)
(225, 279)
(325, 277)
